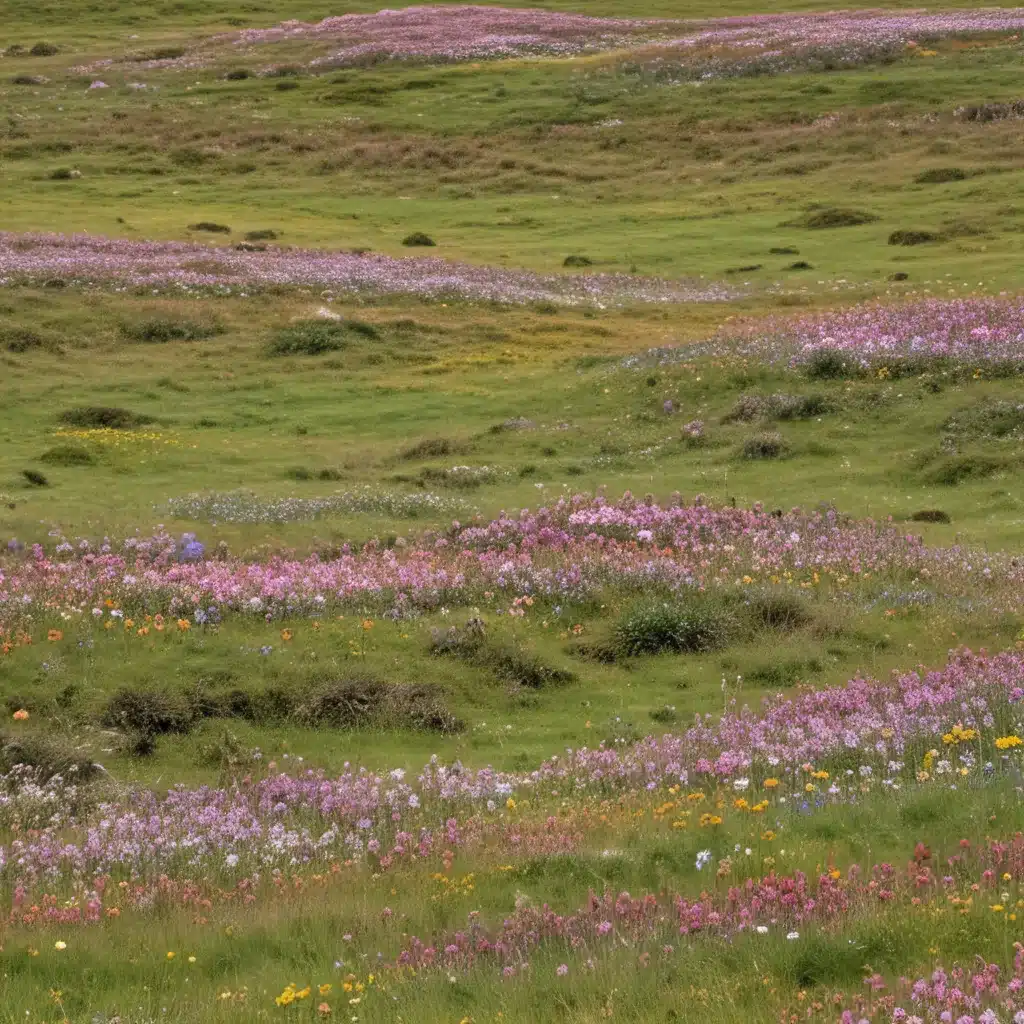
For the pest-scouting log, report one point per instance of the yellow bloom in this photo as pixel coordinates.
(510, 804)
(367, 624)
(286, 635)
(997, 908)
(1006, 742)
(770, 783)
(170, 956)
(325, 989)
(184, 625)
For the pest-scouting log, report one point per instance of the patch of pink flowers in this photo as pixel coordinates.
(93, 259)
(972, 331)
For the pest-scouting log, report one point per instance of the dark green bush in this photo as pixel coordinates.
(778, 611)
(315, 337)
(827, 364)
(211, 226)
(49, 756)
(432, 448)
(21, 339)
(35, 478)
(938, 175)
(99, 416)
(930, 515)
(690, 627)
(148, 712)
(261, 235)
(67, 455)
(237, 74)
(834, 217)
(44, 50)
(577, 261)
(418, 238)
(913, 237)
(158, 330)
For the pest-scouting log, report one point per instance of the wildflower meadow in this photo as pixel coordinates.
(511, 515)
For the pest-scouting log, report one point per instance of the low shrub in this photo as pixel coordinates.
(43, 49)
(159, 330)
(913, 237)
(930, 515)
(577, 261)
(692, 627)
(800, 265)
(418, 238)
(238, 74)
(834, 217)
(778, 611)
(665, 715)
(827, 364)
(778, 406)
(48, 756)
(938, 175)
(432, 448)
(957, 468)
(63, 174)
(783, 250)
(315, 337)
(211, 226)
(148, 713)
(99, 416)
(371, 703)
(509, 663)
(21, 339)
(67, 455)
(261, 235)
(35, 478)
(768, 444)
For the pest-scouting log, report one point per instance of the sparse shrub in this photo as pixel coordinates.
(665, 715)
(521, 668)
(780, 674)
(783, 250)
(955, 469)
(166, 53)
(991, 418)
(238, 74)
(834, 217)
(418, 238)
(930, 515)
(768, 444)
(261, 235)
(432, 448)
(43, 49)
(287, 85)
(20, 339)
(147, 713)
(64, 174)
(314, 337)
(938, 175)
(577, 261)
(912, 237)
(986, 112)
(900, 275)
(778, 406)
(778, 610)
(35, 478)
(99, 416)
(47, 755)
(368, 702)
(828, 364)
(211, 226)
(800, 265)
(159, 330)
(67, 455)
(27, 80)
(285, 71)
(748, 268)
(691, 627)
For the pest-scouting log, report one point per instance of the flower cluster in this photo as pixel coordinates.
(93, 259)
